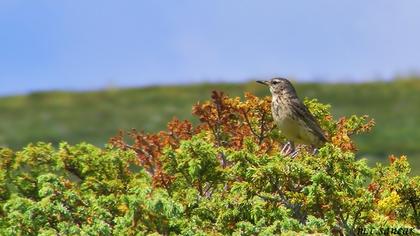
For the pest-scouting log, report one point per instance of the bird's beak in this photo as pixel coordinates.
(262, 82)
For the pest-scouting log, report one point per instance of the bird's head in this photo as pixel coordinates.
(279, 86)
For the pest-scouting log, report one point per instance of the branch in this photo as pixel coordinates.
(249, 125)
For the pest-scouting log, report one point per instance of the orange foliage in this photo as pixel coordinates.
(345, 128)
(341, 138)
(229, 122)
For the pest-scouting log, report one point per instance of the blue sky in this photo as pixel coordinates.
(79, 44)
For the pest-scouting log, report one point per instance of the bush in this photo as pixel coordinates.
(223, 176)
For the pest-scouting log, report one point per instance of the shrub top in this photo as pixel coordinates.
(224, 176)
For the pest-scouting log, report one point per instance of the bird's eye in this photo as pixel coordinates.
(275, 82)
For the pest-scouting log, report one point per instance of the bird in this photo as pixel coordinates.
(292, 117)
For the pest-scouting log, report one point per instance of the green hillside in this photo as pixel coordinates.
(96, 116)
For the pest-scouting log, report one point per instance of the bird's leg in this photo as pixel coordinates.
(314, 150)
(294, 151)
(294, 154)
(289, 149)
(286, 149)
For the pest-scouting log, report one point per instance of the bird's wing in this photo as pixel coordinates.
(305, 115)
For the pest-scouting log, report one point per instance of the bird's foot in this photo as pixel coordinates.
(294, 153)
(289, 150)
(286, 149)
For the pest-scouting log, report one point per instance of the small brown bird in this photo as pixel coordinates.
(292, 117)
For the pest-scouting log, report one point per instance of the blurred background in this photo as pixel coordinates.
(81, 70)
